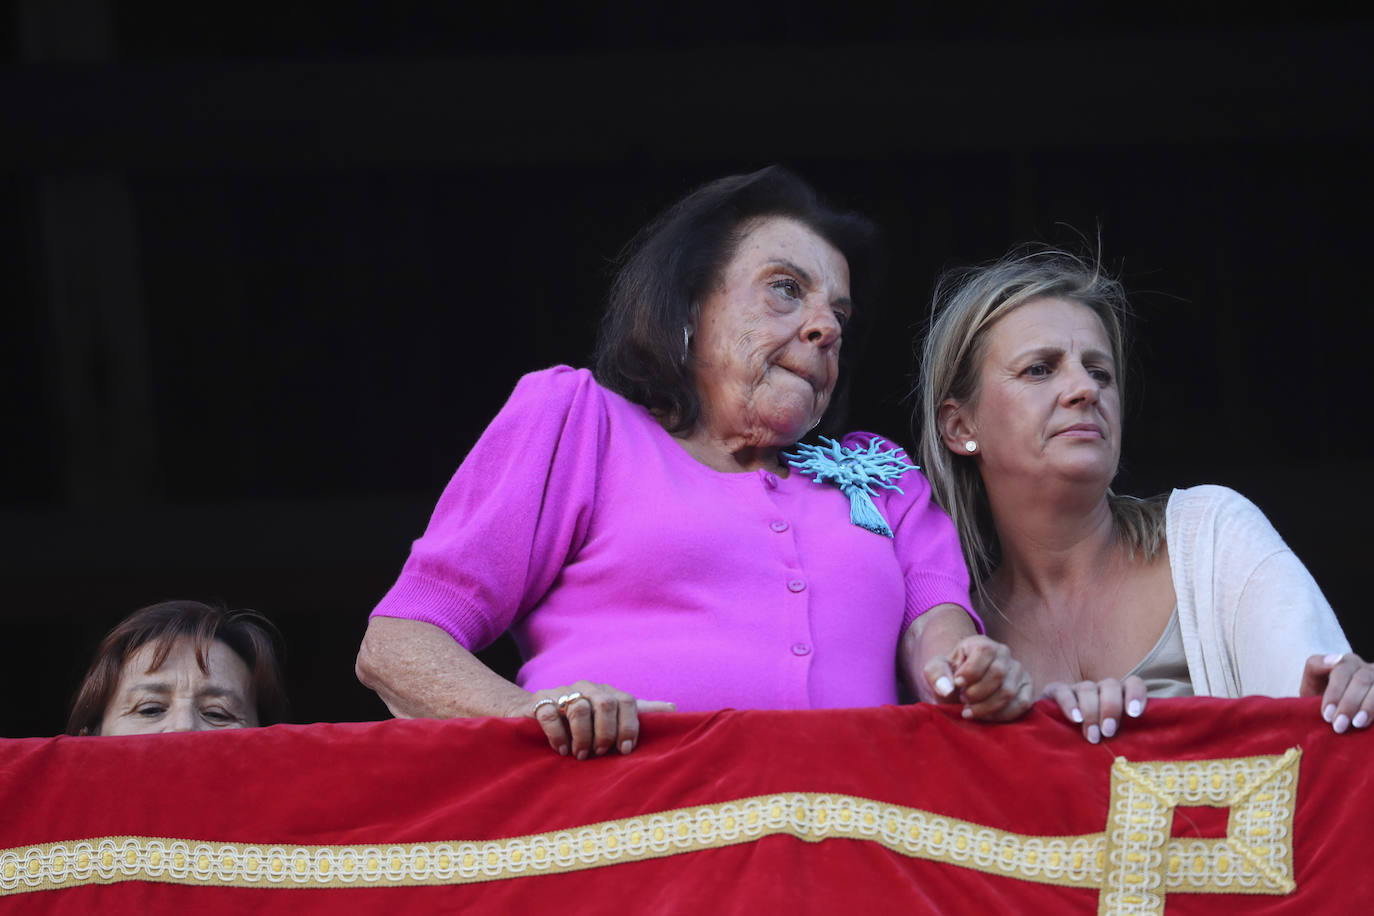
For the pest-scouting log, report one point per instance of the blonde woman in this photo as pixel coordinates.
(1106, 600)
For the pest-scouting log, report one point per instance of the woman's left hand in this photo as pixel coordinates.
(1346, 684)
(980, 673)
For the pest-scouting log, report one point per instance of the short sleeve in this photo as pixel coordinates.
(925, 541)
(514, 512)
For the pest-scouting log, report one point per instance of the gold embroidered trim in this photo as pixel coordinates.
(1134, 862)
(812, 817)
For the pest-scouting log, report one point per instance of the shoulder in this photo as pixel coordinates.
(555, 381)
(1222, 504)
(563, 391)
(1222, 517)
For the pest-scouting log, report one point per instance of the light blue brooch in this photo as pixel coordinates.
(856, 472)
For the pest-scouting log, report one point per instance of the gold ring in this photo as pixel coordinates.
(567, 699)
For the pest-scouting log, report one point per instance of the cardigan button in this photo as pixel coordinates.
(800, 648)
(796, 585)
(779, 526)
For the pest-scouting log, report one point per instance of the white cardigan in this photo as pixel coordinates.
(1249, 611)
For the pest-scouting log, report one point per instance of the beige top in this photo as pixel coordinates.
(1164, 669)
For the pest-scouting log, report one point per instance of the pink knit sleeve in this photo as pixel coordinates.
(926, 543)
(515, 511)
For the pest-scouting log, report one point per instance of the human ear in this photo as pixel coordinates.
(956, 430)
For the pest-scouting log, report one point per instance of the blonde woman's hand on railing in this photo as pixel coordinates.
(1099, 706)
(1346, 685)
(982, 674)
(944, 660)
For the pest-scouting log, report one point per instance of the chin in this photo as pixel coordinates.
(1089, 474)
(790, 424)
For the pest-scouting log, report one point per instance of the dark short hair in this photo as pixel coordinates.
(249, 634)
(675, 261)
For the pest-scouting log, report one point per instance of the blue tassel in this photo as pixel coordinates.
(863, 513)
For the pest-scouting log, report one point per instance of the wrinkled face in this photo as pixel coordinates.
(178, 696)
(1048, 404)
(767, 340)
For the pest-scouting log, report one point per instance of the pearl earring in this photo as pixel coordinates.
(970, 446)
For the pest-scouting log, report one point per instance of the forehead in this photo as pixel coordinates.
(226, 668)
(1050, 321)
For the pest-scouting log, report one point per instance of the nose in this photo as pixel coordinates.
(1080, 387)
(820, 326)
(180, 717)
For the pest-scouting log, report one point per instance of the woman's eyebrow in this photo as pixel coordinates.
(1046, 352)
(788, 266)
(151, 687)
(792, 268)
(212, 690)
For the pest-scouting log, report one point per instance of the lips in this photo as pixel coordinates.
(1082, 431)
(803, 375)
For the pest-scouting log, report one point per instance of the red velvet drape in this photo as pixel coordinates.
(854, 811)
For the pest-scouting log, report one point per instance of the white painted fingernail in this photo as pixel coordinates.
(626, 746)
(1361, 719)
(944, 687)
(1094, 735)
(1108, 727)
(1133, 709)
(1076, 715)
(582, 755)
(1329, 712)
(967, 713)
(562, 750)
(1332, 659)
(1341, 724)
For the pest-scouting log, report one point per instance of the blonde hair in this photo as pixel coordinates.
(967, 303)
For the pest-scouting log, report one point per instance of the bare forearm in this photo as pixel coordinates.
(932, 635)
(419, 671)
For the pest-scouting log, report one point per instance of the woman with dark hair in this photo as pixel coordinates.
(647, 539)
(182, 666)
(1107, 599)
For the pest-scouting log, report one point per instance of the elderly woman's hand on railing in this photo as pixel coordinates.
(585, 719)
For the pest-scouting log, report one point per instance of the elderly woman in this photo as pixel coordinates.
(1105, 599)
(642, 533)
(181, 666)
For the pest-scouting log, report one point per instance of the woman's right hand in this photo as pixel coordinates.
(585, 719)
(1098, 705)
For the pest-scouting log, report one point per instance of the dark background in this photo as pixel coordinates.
(267, 270)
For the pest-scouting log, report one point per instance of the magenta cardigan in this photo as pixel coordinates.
(612, 555)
